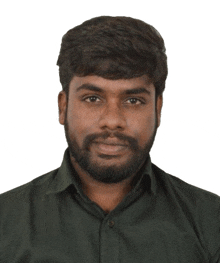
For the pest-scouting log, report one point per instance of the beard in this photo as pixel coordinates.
(109, 173)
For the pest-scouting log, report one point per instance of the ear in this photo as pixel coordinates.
(159, 108)
(62, 104)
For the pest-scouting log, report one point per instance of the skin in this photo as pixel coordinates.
(113, 117)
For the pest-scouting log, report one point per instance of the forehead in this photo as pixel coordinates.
(99, 84)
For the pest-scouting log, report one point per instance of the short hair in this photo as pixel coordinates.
(113, 48)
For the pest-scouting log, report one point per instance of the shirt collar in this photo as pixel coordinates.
(64, 177)
(67, 176)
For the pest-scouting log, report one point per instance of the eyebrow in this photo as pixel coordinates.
(91, 87)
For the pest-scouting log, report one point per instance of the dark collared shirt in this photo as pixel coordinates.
(162, 219)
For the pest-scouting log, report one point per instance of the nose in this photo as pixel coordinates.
(112, 117)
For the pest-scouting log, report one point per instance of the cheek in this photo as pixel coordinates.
(143, 127)
(80, 121)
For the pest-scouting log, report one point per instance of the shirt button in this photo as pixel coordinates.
(111, 223)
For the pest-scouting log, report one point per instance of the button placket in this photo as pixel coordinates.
(111, 223)
(109, 242)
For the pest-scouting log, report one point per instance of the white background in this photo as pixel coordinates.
(32, 141)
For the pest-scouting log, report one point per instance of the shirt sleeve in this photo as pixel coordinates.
(216, 258)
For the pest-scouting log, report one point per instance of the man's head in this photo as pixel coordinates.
(113, 72)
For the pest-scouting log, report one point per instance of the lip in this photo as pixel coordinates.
(108, 148)
(111, 142)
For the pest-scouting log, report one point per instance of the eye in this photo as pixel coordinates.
(135, 101)
(91, 99)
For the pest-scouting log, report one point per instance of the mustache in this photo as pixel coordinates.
(132, 143)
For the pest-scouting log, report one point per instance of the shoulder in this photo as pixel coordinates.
(17, 208)
(180, 188)
(200, 207)
(15, 199)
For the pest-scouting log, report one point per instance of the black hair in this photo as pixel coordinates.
(113, 48)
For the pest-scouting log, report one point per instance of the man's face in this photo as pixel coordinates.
(110, 125)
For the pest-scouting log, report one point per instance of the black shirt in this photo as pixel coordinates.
(162, 219)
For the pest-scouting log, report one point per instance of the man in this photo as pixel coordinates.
(108, 202)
